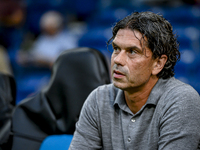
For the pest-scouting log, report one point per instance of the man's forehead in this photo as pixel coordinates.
(127, 30)
(129, 37)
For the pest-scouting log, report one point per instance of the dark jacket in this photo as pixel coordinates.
(7, 104)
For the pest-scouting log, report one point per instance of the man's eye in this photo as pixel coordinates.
(116, 49)
(132, 52)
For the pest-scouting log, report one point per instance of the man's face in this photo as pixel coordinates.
(131, 66)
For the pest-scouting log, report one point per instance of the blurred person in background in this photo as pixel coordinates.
(12, 18)
(53, 39)
(4, 61)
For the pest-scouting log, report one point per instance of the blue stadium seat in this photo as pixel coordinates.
(187, 35)
(107, 17)
(183, 14)
(97, 38)
(30, 81)
(188, 63)
(56, 142)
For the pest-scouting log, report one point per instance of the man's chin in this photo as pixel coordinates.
(119, 85)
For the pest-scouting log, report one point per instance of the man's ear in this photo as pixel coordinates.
(159, 64)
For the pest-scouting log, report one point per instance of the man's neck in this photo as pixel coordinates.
(135, 100)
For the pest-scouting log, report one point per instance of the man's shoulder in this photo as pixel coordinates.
(176, 91)
(105, 94)
(177, 87)
(175, 96)
(107, 90)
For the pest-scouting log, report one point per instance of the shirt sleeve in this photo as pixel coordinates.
(180, 122)
(87, 136)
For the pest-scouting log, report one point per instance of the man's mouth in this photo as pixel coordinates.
(118, 74)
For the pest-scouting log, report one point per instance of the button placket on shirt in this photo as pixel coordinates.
(133, 120)
(129, 138)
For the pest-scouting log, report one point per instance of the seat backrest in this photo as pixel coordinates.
(55, 109)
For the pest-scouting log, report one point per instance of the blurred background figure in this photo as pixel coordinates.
(4, 61)
(51, 42)
(35, 60)
(12, 18)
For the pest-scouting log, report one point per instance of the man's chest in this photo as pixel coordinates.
(123, 130)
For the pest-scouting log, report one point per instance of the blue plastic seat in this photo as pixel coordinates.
(56, 142)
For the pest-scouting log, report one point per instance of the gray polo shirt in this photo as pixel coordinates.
(170, 120)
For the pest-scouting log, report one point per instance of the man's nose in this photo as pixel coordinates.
(120, 58)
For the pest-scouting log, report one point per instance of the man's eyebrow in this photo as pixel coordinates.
(114, 44)
(128, 48)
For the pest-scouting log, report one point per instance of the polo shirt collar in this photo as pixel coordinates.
(157, 91)
(154, 96)
(120, 100)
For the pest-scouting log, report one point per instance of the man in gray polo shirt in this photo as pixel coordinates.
(145, 108)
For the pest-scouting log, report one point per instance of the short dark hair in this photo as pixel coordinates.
(160, 37)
